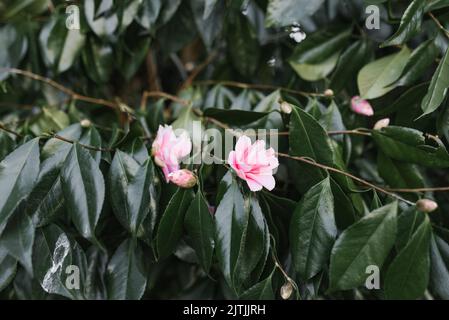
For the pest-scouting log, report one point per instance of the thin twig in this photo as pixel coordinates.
(74, 95)
(364, 182)
(89, 147)
(438, 23)
(160, 94)
(188, 82)
(18, 135)
(258, 86)
(415, 190)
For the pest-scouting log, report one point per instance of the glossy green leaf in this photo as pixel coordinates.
(240, 235)
(438, 87)
(260, 291)
(8, 267)
(409, 145)
(375, 79)
(367, 242)
(126, 272)
(410, 24)
(83, 189)
(319, 46)
(171, 225)
(282, 13)
(199, 225)
(420, 60)
(18, 238)
(408, 275)
(132, 190)
(46, 201)
(18, 174)
(308, 139)
(313, 230)
(351, 61)
(235, 117)
(439, 266)
(398, 174)
(60, 46)
(53, 253)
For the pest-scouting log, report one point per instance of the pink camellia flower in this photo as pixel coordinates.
(361, 106)
(183, 178)
(253, 163)
(168, 150)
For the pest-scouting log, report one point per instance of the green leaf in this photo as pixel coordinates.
(18, 174)
(49, 120)
(18, 238)
(409, 145)
(235, 117)
(83, 189)
(420, 60)
(410, 24)
(375, 78)
(243, 45)
(240, 235)
(398, 174)
(98, 60)
(366, 242)
(60, 46)
(439, 266)
(350, 62)
(53, 252)
(46, 200)
(408, 275)
(132, 190)
(438, 87)
(308, 139)
(317, 71)
(282, 13)
(171, 225)
(104, 25)
(260, 291)
(126, 272)
(313, 230)
(320, 46)
(8, 267)
(199, 225)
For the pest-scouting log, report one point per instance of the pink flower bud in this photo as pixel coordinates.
(183, 178)
(361, 106)
(426, 205)
(382, 123)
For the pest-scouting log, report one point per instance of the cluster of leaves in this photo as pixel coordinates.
(79, 190)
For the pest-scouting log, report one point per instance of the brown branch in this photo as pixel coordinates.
(160, 94)
(18, 135)
(56, 85)
(438, 23)
(414, 190)
(258, 86)
(89, 147)
(198, 70)
(364, 182)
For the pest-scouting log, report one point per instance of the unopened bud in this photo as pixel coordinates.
(382, 123)
(85, 123)
(329, 93)
(183, 178)
(426, 205)
(361, 106)
(286, 107)
(286, 290)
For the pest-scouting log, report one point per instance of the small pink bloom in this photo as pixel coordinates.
(183, 178)
(382, 123)
(253, 163)
(168, 150)
(361, 106)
